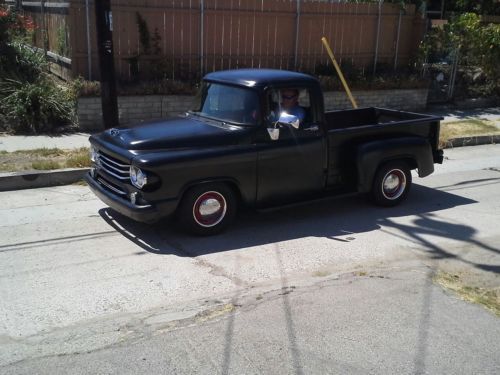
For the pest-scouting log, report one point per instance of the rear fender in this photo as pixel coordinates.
(416, 151)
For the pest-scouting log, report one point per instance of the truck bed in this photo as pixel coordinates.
(348, 128)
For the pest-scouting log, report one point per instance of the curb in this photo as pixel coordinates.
(31, 180)
(473, 141)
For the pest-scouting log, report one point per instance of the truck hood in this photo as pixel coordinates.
(174, 134)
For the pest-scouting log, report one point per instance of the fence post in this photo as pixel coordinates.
(397, 41)
(453, 75)
(202, 16)
(89, 46)
(297, 29)
(45, 38)
(378, 36)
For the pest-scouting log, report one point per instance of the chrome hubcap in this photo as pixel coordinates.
(209, 209)
(394, 184)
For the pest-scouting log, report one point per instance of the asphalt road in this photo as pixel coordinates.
(328, 287)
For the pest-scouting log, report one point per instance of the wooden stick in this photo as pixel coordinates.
(339, 72)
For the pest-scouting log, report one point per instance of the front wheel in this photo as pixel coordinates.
(207, 209)
(391, 184)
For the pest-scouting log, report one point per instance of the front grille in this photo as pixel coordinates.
(114, 167)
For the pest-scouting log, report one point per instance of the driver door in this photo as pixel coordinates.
(294, 165)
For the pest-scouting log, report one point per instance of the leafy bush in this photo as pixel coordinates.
(30, 99)
(34, 107)
(476, 46)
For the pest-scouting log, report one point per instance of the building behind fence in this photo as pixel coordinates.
(188, 38)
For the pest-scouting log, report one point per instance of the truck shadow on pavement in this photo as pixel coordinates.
(337, 219)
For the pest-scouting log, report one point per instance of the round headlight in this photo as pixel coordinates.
(94, 155)
(138, 177)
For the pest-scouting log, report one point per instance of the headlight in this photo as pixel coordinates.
(94, 155)
(138, 177)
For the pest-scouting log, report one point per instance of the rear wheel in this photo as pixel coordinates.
(391, 184)
(207, 209)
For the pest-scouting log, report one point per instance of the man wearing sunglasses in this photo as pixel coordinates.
(290, 103)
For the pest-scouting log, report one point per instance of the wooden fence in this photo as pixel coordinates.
(192, 37)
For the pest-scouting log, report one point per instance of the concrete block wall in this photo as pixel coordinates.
(134, 109)
(407, 100)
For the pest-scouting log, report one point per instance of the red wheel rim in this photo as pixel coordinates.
(209, 209)
(394, 184)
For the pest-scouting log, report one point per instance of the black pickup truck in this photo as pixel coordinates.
(239, 147)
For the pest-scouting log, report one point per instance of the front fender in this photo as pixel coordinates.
(178, 170)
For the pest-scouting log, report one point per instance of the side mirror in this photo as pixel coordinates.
(274, 133)
(287, 119)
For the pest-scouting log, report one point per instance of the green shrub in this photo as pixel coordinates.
(30, 99)
(477, 47)
(34, 107)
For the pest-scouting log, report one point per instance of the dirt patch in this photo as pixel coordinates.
(44, 159)
(215, 312)
(321, 273)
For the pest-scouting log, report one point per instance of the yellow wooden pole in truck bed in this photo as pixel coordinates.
(339, 72)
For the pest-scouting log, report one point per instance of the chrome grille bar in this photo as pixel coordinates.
(105, 166)
(113, 161)
(114, 167)
(113, 174)
(111, 187)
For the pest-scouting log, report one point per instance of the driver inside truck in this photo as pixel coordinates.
(288, 102)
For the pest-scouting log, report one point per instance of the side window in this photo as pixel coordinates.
(294, 100)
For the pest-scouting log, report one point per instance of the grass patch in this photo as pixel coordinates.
(45, 165)
(79, 159)
(44, 159)
(489, 298)
(42, 152)
(466, 128)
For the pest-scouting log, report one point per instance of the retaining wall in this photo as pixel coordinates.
(133, 109)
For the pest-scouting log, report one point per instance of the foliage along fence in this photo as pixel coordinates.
(188, 38)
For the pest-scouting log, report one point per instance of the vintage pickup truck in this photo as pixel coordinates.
(238, 146)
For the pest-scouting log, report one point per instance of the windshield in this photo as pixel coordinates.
(227, 103)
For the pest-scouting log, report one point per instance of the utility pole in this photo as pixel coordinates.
(104, 25)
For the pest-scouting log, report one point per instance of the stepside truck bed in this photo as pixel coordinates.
(347, 129)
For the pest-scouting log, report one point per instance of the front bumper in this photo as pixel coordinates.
(149, 213)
